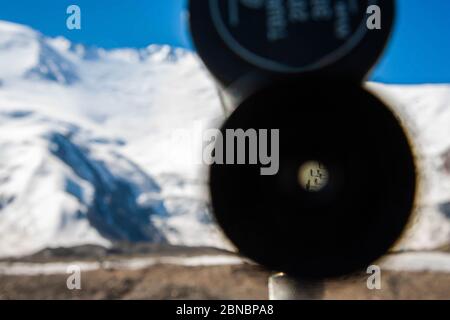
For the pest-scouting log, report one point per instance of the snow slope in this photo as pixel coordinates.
(425, 111)
(100, 146)
(86, 140)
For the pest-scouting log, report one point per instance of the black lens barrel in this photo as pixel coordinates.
(364, 204)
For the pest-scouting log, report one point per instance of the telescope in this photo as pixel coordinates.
(346, 181)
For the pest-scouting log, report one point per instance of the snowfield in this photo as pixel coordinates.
(34, 269)
(97, 146)
(413, 262)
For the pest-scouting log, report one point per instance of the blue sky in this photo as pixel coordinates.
(105, 23)
(419, 51)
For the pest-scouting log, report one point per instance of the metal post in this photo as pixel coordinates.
(284, 287)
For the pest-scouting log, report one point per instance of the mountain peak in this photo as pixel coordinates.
(12, 27)
(163, 53)
(25, 53)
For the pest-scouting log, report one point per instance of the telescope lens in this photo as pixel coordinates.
(345, 188)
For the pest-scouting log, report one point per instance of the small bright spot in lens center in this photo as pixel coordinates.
(313, 176)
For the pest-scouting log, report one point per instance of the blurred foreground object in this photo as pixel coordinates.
(365, 199)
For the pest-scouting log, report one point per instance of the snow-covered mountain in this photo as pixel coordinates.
(425, 110)
(97, 146)
(88, 145)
